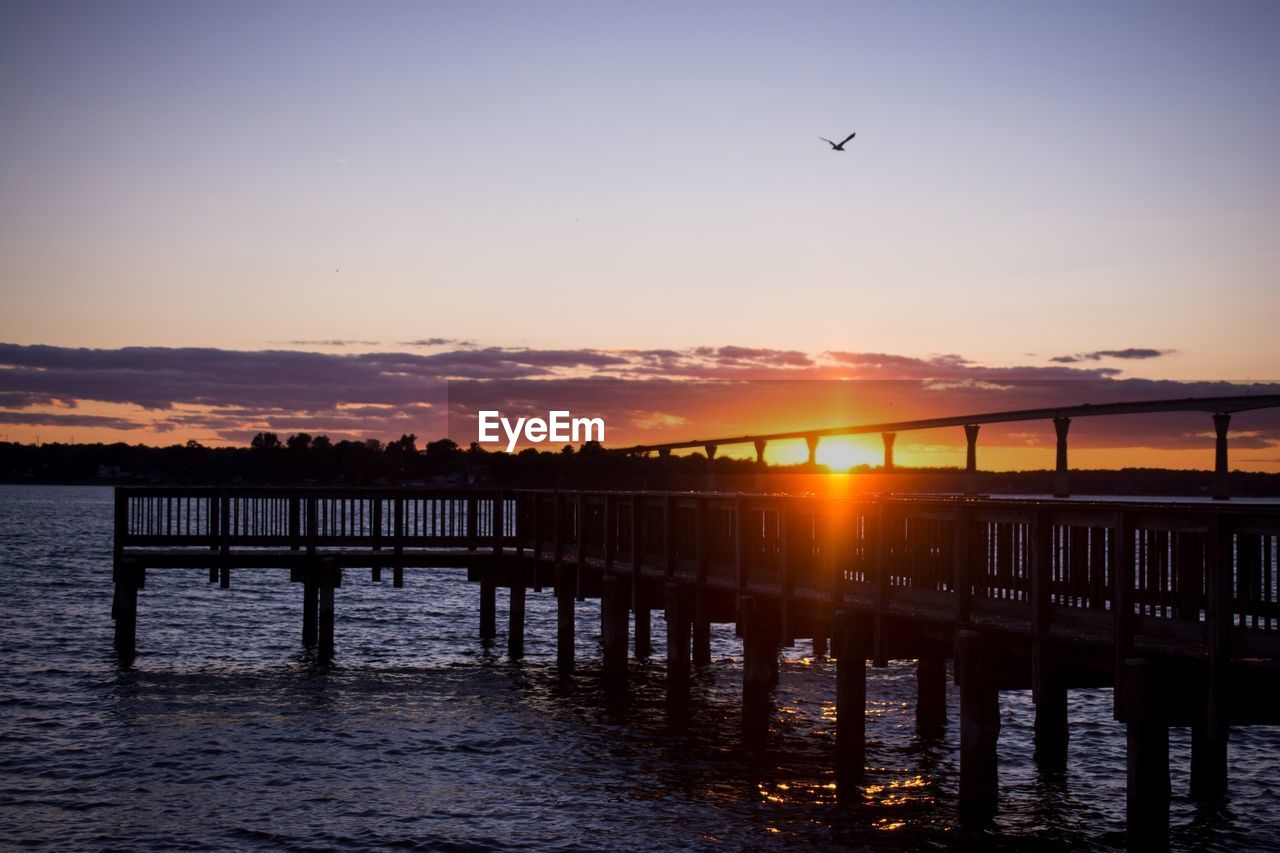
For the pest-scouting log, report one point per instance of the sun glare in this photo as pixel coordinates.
(840, 453)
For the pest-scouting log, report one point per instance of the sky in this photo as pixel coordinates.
(1033, 187)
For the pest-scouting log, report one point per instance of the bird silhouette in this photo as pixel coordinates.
(840, 145)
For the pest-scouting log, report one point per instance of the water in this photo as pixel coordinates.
(226, 735)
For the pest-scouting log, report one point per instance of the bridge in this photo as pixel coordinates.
(1221, 408)
(1173, 604)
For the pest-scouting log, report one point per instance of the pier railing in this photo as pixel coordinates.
(1186, 579)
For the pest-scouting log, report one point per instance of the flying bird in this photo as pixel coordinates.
(838, 146)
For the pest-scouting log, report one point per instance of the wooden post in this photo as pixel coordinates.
(515, 618)
(979, 729)
(679, 622)
(819, 647)
(488, 609)
(701, 623)
(1051, 729)
(224, 543)
(644, 633)
(851, 697)
(310, 603)
(126, 609)
(566, 591)
(701, 631)
(329, 575)
(215, 534)
(759, 650)
(1147, 751)
(1209, 732)
(376, 534)
(1047, 687)
(397, 569)
(931, 694)
(615, 607)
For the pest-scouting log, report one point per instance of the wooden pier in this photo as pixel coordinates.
(1175, 605)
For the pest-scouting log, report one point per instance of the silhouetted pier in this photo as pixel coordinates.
(1175, 605)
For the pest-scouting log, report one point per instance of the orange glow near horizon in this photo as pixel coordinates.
(923, 449)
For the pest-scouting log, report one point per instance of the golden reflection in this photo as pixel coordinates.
(899, 792)
(798, 792)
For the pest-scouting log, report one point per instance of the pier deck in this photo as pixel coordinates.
(1174, 604)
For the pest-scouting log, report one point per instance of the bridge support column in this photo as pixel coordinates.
(971, 459)
(488, 609)
(1147, 752)
(759, 655)
(329, 578)
(812, 442)
(125, 609)
(224, 575)
(213, 574)
(819, 647)
(679, 617)
(644, 633)
(310, 606)
(615, 607)
(515, 617)
(701, 632)
(888, 438)
(1221, 470)
(979, 729)
(566, 587)
(1061, 475)
(931, 695)
(851, 698)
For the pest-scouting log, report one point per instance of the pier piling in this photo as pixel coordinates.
(566, 588)
(1147, 757)
(488, 609)
(979, 729)
(644, 633)
(851, 697)
(615, 607)
(515, 619)
(679, 618)
(931, 694)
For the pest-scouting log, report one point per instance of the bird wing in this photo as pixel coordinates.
(828, 141)
(850, 136)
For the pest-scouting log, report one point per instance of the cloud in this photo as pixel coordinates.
(57, 419)
(332, 342)
(437, 342)
(1128, 354)
(646, 394)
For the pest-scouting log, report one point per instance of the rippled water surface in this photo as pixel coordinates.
(225, 734)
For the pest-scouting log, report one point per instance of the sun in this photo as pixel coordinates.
(840, 453)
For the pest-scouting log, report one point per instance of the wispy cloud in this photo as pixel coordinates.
(1128, 354)
(333, 342)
